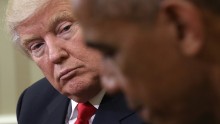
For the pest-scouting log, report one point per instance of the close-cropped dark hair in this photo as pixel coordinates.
(211, 5)
(142, 8)
(136, 10)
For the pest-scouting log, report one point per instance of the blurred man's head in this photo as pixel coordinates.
(167, 51)
(48, 33)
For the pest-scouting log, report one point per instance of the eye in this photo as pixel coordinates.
(64, 27)
(36, 48)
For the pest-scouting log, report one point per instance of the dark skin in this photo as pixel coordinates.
(169, 67)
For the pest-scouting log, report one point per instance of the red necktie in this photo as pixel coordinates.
(85, 112)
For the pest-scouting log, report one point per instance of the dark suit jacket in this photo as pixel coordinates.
(42, 104)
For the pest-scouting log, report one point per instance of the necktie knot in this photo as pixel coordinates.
(85, 112)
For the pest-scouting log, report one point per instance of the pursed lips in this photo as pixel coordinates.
(68, 74)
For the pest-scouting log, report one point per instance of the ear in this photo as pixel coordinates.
(188, 23)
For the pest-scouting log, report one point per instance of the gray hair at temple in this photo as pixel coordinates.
(18, 11)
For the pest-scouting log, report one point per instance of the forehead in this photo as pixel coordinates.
(45, 19)
(52, 10)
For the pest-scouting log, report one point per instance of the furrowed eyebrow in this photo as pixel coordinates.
(53, 21)
(59, 17)
(27, 39)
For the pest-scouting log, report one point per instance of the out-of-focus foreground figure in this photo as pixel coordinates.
(167, 51)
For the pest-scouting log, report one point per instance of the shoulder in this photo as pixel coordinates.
(42, 85)
(40, 92)
(36, 99)
(114, 110)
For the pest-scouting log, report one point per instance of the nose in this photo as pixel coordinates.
(56, 50)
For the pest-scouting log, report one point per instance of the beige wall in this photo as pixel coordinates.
(16, 71)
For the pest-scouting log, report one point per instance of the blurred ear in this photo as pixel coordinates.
(188, 23)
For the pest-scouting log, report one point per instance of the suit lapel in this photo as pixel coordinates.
(57, 110)
(113, 110)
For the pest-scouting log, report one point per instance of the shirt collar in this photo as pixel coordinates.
(95, 101)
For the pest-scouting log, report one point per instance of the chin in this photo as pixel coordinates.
(69, 91)
(78, 99)
(81, 93)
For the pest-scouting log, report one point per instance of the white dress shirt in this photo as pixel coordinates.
(95, 101)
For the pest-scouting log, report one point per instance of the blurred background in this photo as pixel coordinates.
(17, 72)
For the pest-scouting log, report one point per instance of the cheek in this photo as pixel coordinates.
(80, 51)
(92, 58)
(134, 94)
(128, 64)
(47, 69)
(134, 68)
